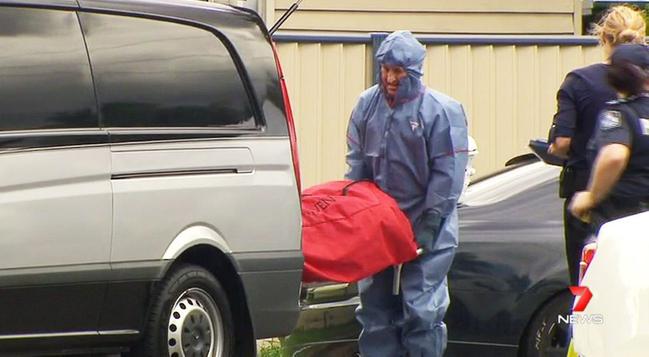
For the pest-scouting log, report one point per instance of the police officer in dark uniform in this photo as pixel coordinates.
(619, 181)
(580, 100)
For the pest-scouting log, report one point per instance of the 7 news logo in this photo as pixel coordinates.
(582, 295)
(582, 298)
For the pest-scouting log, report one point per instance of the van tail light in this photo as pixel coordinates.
(290, 120)
(587, 255)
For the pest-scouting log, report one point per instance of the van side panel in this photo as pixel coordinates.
(55, 209)
(162, 188)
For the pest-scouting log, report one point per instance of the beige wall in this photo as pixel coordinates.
(432, 16)
(324, 81)
(508, 93)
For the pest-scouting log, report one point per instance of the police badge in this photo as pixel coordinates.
(610, 119)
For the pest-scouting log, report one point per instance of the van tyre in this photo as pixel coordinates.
(546, 336)
(190, 317)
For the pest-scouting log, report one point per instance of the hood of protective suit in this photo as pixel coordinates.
(401, 48)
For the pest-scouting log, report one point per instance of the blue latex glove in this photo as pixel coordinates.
(427, 230)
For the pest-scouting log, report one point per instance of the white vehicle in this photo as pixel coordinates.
(615, 322)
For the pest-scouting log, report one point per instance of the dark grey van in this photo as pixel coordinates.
(149, 195)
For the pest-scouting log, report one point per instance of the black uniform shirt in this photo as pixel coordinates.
(625, 122)
(581, 98)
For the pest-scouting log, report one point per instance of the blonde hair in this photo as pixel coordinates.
(621, 24)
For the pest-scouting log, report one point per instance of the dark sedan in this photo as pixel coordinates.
(508, 283)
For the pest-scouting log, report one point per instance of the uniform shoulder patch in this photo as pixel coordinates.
(610, 119)
(644, 126)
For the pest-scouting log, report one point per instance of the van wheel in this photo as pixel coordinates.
(190, 317)
(546, 336)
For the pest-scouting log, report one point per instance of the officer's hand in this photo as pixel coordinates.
(427, 230)
(554, 150)
(581, 204)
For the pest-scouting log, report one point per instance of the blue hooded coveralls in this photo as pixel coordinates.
(416, 151)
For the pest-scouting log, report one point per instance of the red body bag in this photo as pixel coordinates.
(352, 230)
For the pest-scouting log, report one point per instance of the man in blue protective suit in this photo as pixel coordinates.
(412, 142)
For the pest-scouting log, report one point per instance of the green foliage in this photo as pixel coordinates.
(271, 348)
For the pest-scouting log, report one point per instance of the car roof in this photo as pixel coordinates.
(181, 9)
(227, 20)
(160, 6)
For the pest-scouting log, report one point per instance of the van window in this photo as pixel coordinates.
(45, 80)
(158, 74)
